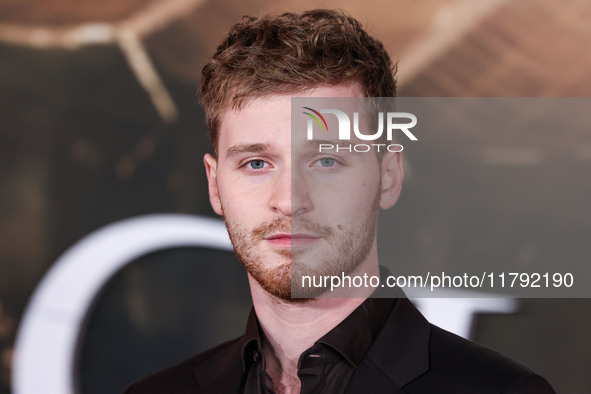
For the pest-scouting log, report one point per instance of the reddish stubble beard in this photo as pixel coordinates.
(282, 276)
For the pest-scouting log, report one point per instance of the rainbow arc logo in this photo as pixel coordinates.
(315, 118)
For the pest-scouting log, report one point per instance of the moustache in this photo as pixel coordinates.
(300, 225)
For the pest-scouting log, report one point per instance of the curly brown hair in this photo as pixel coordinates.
(292, 53)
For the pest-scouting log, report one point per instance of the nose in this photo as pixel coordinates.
(290, 195)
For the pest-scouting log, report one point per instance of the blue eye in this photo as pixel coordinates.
(327, 162)
(256, 164)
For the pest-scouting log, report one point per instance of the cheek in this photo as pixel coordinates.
(352, 190)
(240, 199)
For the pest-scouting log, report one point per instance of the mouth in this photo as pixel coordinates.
(289, 240)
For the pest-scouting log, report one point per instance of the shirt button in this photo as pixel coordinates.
(256, 356)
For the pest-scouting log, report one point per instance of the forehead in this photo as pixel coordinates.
(268, 118)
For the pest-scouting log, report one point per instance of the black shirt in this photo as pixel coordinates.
(326, 367)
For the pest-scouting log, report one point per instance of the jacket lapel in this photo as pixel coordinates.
(223, 372)
(399, 355)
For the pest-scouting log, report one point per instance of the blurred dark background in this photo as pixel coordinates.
(90, 134)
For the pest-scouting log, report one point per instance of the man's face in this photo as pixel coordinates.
(291, 211)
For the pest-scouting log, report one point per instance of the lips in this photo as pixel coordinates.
(288, 239)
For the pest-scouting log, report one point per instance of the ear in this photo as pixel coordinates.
(392, 176)
(211, 166)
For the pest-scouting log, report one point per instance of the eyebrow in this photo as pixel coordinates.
(243, 148)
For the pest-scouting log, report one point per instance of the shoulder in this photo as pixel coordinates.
(477, 368)
(181, 378)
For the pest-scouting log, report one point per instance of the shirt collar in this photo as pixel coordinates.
(352, 338)
(251, 350)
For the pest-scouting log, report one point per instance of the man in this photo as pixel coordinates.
(291, 211)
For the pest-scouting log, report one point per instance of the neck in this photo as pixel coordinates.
(289, 328)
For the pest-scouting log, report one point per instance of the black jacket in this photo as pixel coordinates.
(409, 356)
